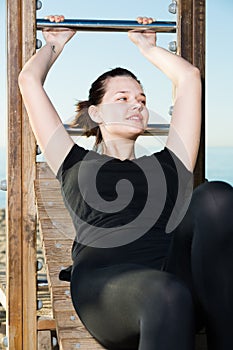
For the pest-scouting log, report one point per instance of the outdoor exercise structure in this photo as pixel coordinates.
(33, 191)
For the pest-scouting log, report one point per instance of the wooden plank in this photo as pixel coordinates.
(43, 171)
(191, 46)
(66, 306)
(69, 319)
(199, 44)
(53, 274)
(185, 29)
(14, 318)
(72, 342)
(44, 340)
(57, 230)
(46, 324)
(28, 196)
(61, 294)
(21, 232)
(58, 251)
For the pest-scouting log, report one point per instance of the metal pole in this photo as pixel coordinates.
(101, 25)
(152, 129)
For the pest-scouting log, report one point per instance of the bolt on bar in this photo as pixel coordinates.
(152, 129)
(107, 25)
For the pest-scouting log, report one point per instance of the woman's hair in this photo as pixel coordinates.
(96, 94)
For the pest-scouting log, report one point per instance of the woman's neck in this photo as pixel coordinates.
(119, 148)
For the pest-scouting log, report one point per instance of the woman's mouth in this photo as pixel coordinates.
(135, 117)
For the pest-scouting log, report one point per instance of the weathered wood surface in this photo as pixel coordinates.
(21, 218)
(191, 46)
(44, 340)
(14, 184)
(57, 234)
(28, 13)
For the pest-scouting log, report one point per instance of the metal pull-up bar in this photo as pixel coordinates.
(152, 129)
(107, 25)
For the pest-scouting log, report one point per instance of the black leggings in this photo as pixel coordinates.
(134, 307)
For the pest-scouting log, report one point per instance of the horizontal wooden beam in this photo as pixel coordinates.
(46, 324)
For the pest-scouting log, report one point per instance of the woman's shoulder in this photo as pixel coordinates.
(75, 155)
(170, 159)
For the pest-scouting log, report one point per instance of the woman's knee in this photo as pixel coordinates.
(212, 209)
(212, 195)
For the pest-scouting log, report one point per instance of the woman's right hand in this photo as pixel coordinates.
(144, 39)
(57, 36)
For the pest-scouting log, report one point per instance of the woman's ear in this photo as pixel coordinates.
(94, 114)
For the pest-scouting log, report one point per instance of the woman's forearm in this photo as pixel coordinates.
(184, 133)
(173, 66)
(40, 63)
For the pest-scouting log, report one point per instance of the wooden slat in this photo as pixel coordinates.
(46, 324)
(199, 49)
(54, 269)
(57, 234)
(59, 230)
(44, 340)
(28, 197)
(58, 251)
(43, 171)
(70, 342)
(191, 46)
(14, 181)
(21, 223)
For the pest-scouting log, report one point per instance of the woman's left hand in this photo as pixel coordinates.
(61, 36)
(143, 38)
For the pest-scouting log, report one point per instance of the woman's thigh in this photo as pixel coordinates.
(114, 302)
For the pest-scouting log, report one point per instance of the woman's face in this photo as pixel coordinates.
(123, 111)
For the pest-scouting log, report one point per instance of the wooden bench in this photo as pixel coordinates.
(57, 234)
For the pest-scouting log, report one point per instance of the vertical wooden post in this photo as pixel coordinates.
(21, 243)
(191, 46)
(14, 183)
(199, 61)
(28, 196)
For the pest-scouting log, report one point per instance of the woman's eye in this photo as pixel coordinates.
(122, 99)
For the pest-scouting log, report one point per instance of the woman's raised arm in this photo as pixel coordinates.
(184, 133)
(46, 124)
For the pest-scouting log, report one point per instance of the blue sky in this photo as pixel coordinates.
(89, 54)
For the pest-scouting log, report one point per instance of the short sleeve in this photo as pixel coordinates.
(179, 185)
(75, 155)
(169, 158)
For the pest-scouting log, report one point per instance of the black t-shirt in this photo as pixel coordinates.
(124, 211)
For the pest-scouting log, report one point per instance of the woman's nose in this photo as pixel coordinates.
(137, 106)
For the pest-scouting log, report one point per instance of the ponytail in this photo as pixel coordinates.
(83, 120)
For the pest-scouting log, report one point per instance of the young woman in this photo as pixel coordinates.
(147, 272)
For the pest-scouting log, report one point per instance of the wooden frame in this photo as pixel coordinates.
(21, 218)
(191, 46)
(21, 210)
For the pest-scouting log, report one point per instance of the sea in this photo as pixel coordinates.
(219, 166)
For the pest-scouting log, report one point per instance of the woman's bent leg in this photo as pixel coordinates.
(202, 255)
(212, 261)
(132, 307)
